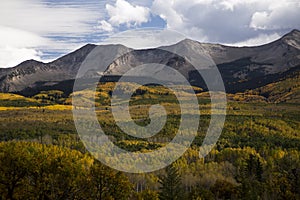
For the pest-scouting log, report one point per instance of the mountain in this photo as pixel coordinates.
(31, 73)
(242, 68)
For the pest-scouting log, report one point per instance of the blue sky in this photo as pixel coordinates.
(46, 29)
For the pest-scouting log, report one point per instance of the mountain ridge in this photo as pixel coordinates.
(236, 64)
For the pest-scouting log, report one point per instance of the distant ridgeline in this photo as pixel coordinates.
(242, 68)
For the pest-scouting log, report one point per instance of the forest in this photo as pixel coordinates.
(256, 157)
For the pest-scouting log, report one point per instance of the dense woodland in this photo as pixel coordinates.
(256, 157)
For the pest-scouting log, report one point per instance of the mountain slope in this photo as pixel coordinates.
(242, 68)
(285, 90)
(31, 74)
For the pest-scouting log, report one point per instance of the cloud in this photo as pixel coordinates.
(279, 15)
(145, 38)
(125, 13)
(40, 18)
(11, 56)
(228, 21)
(45, 29)
(105, 26)
(168, 11)
(19, 38)
(17, 46)
(28, 28)
(259, 40)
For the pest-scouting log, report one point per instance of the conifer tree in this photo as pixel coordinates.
(170, 184)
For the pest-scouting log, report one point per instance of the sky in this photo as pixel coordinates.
(47, 29)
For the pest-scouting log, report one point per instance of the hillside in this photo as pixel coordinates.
(14, 100)
(285, 90)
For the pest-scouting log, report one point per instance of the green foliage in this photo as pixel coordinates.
(14, 100)
(256, 157)
(148, 195)
(251, 178)
(108, 184)
(225, 190)
(35, 171)
(198, 192)
(49, 97)
(286, 90)
(170, 184)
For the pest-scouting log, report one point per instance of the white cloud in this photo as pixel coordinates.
(17, 46)
(167, 11)
(259, 40)
(31, 26)
(19, 38)
(228, 21)
(279, 15)
(258, 19)
(125, 13)
(11, 56)
(145, 38)
(105, 26)
(40, 18)
(26, 27)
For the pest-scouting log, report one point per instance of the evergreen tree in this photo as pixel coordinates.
(253, 168)
(252, 186)
(170, 184)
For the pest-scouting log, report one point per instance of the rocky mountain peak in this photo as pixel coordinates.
(292, 39)
(243, 68)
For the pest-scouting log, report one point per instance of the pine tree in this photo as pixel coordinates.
(252, 186)
(170, 184)
(254, 168)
